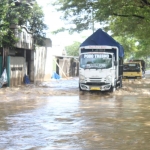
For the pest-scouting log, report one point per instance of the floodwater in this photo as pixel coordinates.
(56, 116)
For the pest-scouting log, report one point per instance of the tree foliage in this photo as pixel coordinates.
(128, 18)
(20, 13)
(143, 49)
(129, 44)
(36, 24)
(73, 49)
(127, 15)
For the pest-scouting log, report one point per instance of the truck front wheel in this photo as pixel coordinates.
(120, 85)
(80, 88)
(112, 89)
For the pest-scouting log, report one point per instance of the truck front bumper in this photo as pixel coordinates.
(87, 87)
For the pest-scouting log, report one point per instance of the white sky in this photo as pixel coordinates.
(52, 19)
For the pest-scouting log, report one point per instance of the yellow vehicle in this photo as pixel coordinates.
(142, 63)
(133, 70)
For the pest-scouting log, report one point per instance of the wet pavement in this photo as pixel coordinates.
(56, 116)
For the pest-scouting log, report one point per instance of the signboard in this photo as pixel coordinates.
(106, 56)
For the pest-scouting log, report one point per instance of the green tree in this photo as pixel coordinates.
(3, 24)
(143, 49)
(129, 44)
(12, 13)
(128, 18)
(20, 13)
(73, 50)
(36, 24)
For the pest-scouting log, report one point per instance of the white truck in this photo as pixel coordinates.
(100, 66)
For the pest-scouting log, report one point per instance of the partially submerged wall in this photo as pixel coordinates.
(17, 68)
(39, 64)
(42, 64)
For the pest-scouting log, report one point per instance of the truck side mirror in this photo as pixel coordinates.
(115, 63)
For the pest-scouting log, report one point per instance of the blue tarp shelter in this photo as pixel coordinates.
(102, 38)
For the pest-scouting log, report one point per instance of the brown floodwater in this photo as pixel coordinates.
(56, 116)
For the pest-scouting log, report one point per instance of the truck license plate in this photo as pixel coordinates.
(95, 88)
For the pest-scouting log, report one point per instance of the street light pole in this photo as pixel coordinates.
(92, 22)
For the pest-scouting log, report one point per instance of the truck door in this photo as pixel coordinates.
(114, 65)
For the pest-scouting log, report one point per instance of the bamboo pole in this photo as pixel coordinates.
(60, 68)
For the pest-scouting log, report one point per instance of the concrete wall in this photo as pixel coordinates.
(40, 67)
(25, 38)
(17, 70)
(48, 65)
(32, 66)
(43, 64)
(40, 64)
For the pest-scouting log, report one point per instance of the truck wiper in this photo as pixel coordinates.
(86, 68)
(95, 68)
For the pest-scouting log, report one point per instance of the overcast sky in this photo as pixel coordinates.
(52, 19)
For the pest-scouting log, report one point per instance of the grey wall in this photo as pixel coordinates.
(17, 70)
(39, 64)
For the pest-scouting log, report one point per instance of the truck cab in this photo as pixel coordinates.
(100, 63)
(99, 68)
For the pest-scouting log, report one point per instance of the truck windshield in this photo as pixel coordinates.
(132, 66)
(95, 61)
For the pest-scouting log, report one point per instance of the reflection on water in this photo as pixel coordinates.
(90, 121)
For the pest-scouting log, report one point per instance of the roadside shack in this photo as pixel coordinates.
(66, 66)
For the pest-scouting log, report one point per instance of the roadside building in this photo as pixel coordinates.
(66, 66)
(25, 58)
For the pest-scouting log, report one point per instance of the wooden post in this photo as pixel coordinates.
(60, 67)
(8, 71)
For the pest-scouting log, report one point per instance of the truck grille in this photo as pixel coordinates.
(96, 83)
(96, 78)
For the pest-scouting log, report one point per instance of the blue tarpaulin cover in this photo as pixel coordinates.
(55, 76)
(102, 38)
(3, 79)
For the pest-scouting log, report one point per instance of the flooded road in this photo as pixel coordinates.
(56, 116)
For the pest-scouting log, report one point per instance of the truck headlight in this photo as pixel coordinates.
(82, 77)
(108, 78)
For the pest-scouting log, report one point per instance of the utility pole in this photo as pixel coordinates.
(92, 22)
